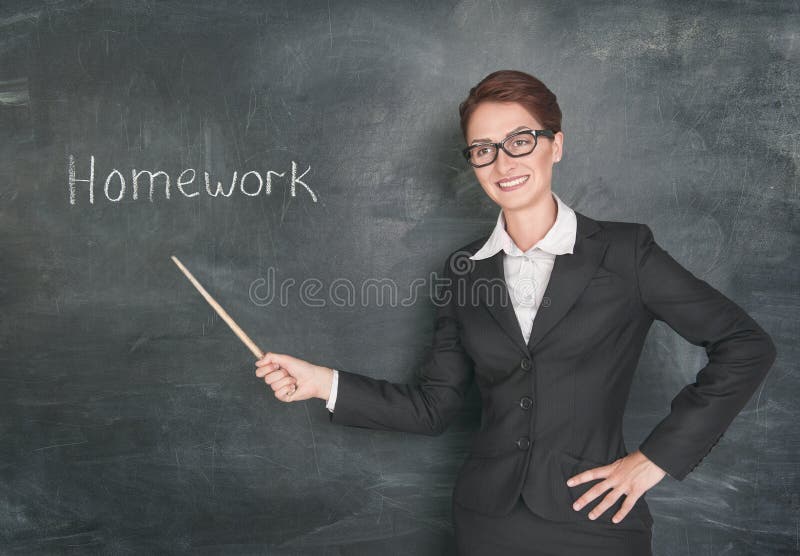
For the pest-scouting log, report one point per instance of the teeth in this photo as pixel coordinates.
(513, 183)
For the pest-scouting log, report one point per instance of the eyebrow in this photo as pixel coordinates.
(485, 140)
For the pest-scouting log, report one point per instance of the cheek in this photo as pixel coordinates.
(545, 171)
(484, 178)
(544, 160)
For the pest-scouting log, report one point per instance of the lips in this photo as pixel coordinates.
(509, 184)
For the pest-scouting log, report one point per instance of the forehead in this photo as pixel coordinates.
(495, 120)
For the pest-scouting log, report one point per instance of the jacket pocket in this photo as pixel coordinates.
(601, 279)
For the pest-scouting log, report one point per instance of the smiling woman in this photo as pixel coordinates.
(548, 472)
(514, 173)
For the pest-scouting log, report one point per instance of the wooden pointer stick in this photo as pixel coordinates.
(223, 313)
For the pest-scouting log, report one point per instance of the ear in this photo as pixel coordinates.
(558, 145)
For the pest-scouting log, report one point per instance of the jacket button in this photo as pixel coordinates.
(525, 402)
(525, 363)
(523, 443)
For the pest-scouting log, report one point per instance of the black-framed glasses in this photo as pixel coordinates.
(517, 144)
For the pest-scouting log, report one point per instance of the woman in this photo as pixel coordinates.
(548, 472)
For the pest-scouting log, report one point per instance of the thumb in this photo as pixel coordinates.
(272, 357)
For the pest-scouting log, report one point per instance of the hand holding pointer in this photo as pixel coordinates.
(293, 379)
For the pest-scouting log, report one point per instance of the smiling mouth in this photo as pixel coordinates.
(513, 183)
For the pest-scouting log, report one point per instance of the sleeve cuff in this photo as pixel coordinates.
(334, 388)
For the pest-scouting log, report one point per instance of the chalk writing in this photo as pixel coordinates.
(118, 185)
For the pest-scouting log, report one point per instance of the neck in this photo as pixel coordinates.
(527, 226)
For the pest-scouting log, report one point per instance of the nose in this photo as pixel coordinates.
(503, 163)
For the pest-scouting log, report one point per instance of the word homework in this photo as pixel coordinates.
(118, 185)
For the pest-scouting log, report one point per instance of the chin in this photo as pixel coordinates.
(518, 204)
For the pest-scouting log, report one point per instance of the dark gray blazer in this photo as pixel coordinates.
(554, 407)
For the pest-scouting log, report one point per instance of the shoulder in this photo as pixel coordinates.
(618, 232)
(628, 242)
(612, 231)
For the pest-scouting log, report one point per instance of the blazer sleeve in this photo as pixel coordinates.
(739, 353)
(426, 406)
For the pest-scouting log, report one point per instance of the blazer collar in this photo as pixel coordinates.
(570, 276)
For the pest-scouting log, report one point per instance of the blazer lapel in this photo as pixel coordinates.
(570, 276)
(489, 281)
(571, 273)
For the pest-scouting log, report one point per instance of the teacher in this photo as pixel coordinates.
(548, 472)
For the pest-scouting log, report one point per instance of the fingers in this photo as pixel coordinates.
(279, 358)
(625, 477)
(268, 358)
(276, 376)
(283, 384)
(608, 500)
(267, 368)
(272, 377)
(285, 394)
(589, 475)
(590, 495)
(627, 506)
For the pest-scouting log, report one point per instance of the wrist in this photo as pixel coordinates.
(326, 384)
(650, 462)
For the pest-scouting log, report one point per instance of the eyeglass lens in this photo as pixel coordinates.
(517, 145)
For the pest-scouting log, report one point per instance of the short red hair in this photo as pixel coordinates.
(513, 86)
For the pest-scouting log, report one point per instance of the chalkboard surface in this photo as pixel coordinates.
(296, 145)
